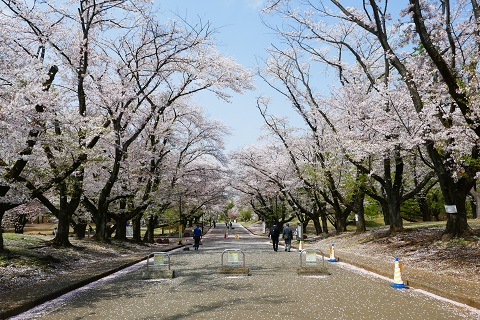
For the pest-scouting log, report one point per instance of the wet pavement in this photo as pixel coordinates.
(272, 291)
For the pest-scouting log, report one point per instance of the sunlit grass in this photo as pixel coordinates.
(474, 223)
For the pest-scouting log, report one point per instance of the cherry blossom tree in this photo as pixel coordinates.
(186, 157)
(199, 164)
(442, 106)
(448, 31)
(21, 215)
(71, 36)
(119, 69)
(264, 176)
(25, 97)
(312, 163)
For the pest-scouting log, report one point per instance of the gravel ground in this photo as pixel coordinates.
(450, 269)
(273, 290)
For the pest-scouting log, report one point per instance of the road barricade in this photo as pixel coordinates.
(233, 262)
(158, 266)
(309, 262)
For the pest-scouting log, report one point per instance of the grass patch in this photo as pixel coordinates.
(26, 240)
(457, 242)
(249, 223)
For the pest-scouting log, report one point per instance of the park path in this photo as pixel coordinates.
(272, 291)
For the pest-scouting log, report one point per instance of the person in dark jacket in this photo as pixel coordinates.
(287, 236)
(197, 235)
(274, 234)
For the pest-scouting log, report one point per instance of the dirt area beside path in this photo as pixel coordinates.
(30, 259)
(448, 269)
(419, 248)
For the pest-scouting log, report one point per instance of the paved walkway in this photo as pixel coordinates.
(273, 291)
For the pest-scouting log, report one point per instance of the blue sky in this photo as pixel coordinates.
(242, 36)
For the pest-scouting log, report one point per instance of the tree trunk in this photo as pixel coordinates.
(137, 228)
(360, 212)
(394, 190)
(305, 224)
(391, 208)
(149, 234)
(318, 227)
(80, 229)
(475, 202)
(121, 231)
(63, 230)
(454, 193)
(424, 208)
(2, 213)
(67, 209)
(385, 211)
(340, 222)
(324, 219)
(19, 223)
(358, 202)
(340, 214)
(457, 225)
(101, 233)
(322, 211)
(121, 220)
(396, 222)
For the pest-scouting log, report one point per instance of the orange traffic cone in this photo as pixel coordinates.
(332, 254)
(397, 276)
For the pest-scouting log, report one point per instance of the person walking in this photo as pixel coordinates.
(274, 234)
(197, 235)
(287, 236)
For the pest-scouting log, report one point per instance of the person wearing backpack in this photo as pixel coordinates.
(287, 236)
(274, 234)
